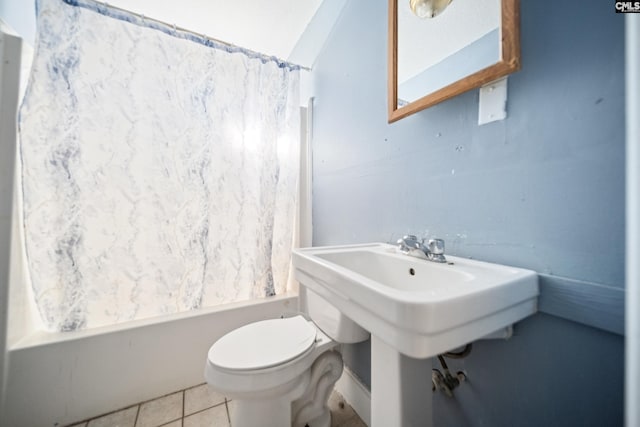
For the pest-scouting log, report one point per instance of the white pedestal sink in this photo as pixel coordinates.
(414, 309)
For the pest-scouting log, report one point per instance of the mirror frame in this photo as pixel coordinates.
(509, 63)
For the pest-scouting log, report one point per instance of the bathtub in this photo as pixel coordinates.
(54, 379)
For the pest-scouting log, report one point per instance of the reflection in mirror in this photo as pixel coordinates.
(433, 53)
(468, 44)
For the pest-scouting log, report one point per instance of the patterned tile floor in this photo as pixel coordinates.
(200, 407)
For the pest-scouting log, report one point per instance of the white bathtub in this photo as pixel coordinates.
(55, 379)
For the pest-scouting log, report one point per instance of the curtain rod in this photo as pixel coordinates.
(116, 12)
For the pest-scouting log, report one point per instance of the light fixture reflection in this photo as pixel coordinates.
(428, 8)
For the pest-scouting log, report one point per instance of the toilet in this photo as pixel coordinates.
(280, 372)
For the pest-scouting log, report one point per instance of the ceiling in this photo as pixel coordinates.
(271, 27)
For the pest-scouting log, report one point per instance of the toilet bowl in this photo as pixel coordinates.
(280, 372)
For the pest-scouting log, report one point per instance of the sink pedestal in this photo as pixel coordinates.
(400, 388)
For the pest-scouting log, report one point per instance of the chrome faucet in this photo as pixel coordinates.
(433, 251)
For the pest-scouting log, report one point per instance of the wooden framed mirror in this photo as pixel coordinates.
(472, 43)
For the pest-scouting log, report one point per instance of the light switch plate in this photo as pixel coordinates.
(493, 102)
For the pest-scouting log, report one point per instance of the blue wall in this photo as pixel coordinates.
(543, 189)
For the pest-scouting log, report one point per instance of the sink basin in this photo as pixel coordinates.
(418, 307)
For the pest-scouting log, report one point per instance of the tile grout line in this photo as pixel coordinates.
(180, 418)
(137, 415)
(171, 422)
(226, 406)
(206, 409)
(88, 420)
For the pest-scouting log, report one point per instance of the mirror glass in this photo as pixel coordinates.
(471, 43)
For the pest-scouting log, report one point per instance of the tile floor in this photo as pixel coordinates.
(200, 407)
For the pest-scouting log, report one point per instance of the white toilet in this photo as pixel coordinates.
(280, 372)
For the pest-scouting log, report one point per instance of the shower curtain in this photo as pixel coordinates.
(159, 169)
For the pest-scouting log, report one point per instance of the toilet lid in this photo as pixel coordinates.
(263, 344)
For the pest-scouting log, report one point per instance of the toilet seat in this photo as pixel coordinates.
(278, 372)
(263, 344)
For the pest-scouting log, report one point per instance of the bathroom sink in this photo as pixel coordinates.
(419, 307)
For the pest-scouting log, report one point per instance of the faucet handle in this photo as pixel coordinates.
(408, 243)
(436, 246)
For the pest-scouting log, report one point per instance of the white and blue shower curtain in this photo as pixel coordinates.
(159, 169)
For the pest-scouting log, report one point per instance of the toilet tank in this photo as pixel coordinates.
(329, 319)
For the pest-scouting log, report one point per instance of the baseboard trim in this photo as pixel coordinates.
(356, 394)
